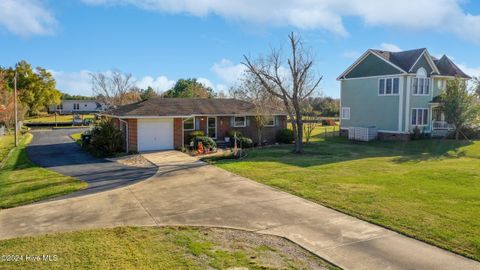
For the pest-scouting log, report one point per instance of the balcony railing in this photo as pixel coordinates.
(442, 125)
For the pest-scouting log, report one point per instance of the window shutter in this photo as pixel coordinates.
(247, 121)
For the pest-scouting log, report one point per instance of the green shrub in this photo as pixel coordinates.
(197, 133)
(418, 134)
(243, 142)
(106, 138)
(231, 133)
(285, 136)
(206, 141)
(246, 142)
(472, 133)
(192, 135)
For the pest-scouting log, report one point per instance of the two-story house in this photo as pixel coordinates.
(395, 92)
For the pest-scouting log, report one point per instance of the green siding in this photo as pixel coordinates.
(367, 108)
(422, 62)
(437, 91)
(372, 66)
(420, 102)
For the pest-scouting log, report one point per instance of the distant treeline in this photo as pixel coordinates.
(66, 96)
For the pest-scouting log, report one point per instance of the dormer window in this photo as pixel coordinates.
(421, 83)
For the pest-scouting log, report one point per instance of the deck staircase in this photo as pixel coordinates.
(440, 133)
(441, 129)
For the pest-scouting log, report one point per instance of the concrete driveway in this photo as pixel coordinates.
(188, 192)
(55, 150)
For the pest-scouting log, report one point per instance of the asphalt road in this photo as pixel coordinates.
(55, 150)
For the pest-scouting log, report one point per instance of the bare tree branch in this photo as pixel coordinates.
(115, 88)
(292, 88)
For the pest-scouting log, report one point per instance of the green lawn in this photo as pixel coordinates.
(22, 182)
(427, 189)
(160, 248)
(7, 142)
(51, 118)
(76, 136)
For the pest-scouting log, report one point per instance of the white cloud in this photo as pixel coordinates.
(227, 71)
(328, 15)
(26, 18)
(471, 71)
(80, 83)
(77, 83)
(215, 87)
(389, 47)
(159, 84)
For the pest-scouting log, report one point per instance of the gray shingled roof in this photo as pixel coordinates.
(158, 106)
(448, 68)
(406, 59)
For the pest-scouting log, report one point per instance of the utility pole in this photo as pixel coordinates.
(15, 108)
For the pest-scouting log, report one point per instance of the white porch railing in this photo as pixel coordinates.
(442, 125)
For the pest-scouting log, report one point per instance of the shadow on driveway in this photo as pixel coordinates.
(56, 151)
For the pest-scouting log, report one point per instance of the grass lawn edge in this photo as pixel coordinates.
(345, 211)
(11, 166)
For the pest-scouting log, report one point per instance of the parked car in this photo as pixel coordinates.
(77, 120)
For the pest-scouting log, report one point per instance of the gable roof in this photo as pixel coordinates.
(184, 107)
(448, 68)
(406, 60)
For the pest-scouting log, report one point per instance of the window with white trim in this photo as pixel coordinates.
(76, 106)
(270, 121)
(345, 113)
(421, 84)
(239, 121)
(189, 124)
(420, 117)
(388, 86)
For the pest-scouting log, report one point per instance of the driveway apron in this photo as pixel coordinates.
(189, 192)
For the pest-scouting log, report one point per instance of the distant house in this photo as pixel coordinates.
(396, 92)
(165, 123)
(77, 106)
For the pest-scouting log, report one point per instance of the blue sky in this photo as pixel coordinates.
(160, 41)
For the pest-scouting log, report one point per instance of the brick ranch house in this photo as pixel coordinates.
(165, 123)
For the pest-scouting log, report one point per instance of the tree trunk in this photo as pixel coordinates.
(259, 136)
(299, 141)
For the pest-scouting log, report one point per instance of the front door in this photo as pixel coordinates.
(212, 127)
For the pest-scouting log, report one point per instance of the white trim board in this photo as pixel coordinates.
(178, 116)
(359, 60)
(400, 105)
(429, 60)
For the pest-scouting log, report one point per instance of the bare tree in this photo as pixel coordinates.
(292, 85)
(310, 122)
(250, 89)
(114, 88)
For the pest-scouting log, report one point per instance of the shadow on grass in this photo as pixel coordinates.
(333, 149)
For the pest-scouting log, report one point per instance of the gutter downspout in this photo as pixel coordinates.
(126, 136)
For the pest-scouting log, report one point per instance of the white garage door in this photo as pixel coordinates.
(155, 134)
